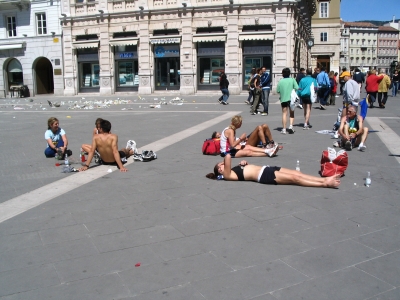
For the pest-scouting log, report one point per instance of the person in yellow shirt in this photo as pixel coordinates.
(383, 89)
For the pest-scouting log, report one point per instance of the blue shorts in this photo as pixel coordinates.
(232, 152)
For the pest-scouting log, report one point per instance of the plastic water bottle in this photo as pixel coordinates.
(83, 158)
(298, 166)
(368, 179)
(66, 161)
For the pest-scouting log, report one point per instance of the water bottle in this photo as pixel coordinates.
(83, 159)
(66, 161)
(298, 166)
(368, 179)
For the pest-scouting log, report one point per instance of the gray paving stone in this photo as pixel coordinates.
(181, 292)
(385, 240)
(68, 233)
(105, 227)
(259, 252)
(212, 223)
(330, 233)
(19, 241)
(390, 295)
(380, 219)
(173, 273)
(249, 282)
(385, 267)
(104, 263)
(26, 279)
(349, 284)
(327, 259)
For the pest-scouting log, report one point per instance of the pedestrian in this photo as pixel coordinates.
(265, 84)
(371, 86)
(300, 75)
(359, 77)
(250, 89)
(324, 88)
(223, 86)
(383, 89)
(351, 93)
(257, 91)
(341, 80)
(332, 93)
(316, 72)
(304, 93)
(395, 83)
(285, 87)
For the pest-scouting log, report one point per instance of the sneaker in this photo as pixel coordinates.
(264, 114)
(323, 107)
(300, 106)
(259, 113)
(131, 144)
(247, 102)
(137, 157)
(348, 146)
(272, 151)
(253, 113)
(309, 125)
(362, 147)
(336, 144)
(290, 130)
(69, 152)
(225, 103)
(306, 127)
(336, 96)
(283, 131)
(97, 158)
(148, 155)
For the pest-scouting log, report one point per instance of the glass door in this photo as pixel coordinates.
(167, 73)
(95, 75)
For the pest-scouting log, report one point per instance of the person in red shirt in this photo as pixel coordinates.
(371, 86)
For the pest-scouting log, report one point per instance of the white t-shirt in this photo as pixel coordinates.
(55, 137)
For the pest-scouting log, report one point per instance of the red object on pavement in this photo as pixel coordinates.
(57, 165)
(83, 158)
(137, 265)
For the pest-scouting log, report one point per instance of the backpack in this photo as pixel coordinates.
(252, 81)
(211, 147)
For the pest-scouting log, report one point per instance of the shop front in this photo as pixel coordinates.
(256, 54)
(210, 62)
(126, 68)
(88, 67)
(166, 63)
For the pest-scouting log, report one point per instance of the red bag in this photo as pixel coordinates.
(336, 167)
(211, 147)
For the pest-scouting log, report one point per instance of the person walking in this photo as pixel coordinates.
(383, 89)
(358, 76)
(323, 88)
(223, 85)
(285, 87)
(371, 86)
(250, 89)
(265, 84)
(395, 83)
(332, 93)
(304, 93)
(257, 91)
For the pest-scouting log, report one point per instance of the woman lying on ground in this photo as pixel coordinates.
(268, 175)
(247, 145)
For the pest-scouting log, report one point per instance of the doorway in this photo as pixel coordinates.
(167, 73)
(324, 61)
(44, 76)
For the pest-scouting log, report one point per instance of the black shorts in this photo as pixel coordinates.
(285, 104)
(268, 175)
(114, 163)
(306, 100)
(232, 152)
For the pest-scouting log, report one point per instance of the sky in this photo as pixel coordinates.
(378, 10)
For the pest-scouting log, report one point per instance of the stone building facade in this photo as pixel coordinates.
(388, 45)
(31, 47)
(117, 46)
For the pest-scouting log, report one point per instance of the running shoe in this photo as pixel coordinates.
(290, 130)
(131, 144)
(348, 146)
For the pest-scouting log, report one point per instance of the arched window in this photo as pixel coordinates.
(15, 75)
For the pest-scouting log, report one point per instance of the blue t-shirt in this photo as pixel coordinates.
(55, 137)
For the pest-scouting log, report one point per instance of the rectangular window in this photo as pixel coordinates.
(11, 27)
(352, 41)
(323, 9)
(41, 25)
(324, 36)
(351, 51)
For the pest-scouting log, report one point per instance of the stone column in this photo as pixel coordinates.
(106, 76)
(70, 65)
(145, 59)
(232, 58)
(187, 57)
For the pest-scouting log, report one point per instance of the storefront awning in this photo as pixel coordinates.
(81, 45)
(259, 36)
(209, 38)
(124, 42)
(169, 40)
(12, 46)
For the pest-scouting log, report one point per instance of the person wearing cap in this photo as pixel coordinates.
(351, 93)
(371, 86)
(341, 79)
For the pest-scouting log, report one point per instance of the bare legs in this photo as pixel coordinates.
(307, 110)
(284, 117)
(261, 133)
(86, 147)
(287, 176)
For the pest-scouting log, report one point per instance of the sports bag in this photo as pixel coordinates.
(211, 147)
(333, 163)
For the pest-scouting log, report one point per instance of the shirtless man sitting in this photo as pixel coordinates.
(106, 144)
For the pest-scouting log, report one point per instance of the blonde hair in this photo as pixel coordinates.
(235, 122)
(331, 74)
(50, 122)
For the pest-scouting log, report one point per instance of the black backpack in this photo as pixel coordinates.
(252, 81)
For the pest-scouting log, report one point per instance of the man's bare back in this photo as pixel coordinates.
(106, 145)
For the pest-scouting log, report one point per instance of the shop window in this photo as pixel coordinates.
(127, 74)
(90, 75)
(210, 70)
(11, 26)
(41, 25)
(15, 75)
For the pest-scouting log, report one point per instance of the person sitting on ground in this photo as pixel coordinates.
(86, 147)
(268, 175)
(106, 144)
(352, 131)
(56, 138)
(246, 146)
